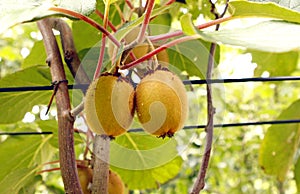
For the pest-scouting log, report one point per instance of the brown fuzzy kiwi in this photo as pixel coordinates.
(115, 183)
(141, 49)
(138, 51)
(85, 177)
(161, 103)
(109, 105)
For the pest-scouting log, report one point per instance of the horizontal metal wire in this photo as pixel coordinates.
(186, 82)
(27, 133)
(253, 79)
(274, 122)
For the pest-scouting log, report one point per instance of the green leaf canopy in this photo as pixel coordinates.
(280, 144)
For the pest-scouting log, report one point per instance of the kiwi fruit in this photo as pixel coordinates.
(141, 49)
(85, 175)
(109, 105)
(115, 183)
(161, 103)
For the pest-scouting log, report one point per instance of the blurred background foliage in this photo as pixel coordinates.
(234, 166)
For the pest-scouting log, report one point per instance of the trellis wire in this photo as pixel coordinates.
(292, 121)
(186, 82)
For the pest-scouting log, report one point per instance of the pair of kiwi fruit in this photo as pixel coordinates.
(159, 99)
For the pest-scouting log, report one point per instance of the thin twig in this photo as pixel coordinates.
(170, 2)
(77, 110)
(141, 36)
(87, 20)
(65, 122)
(159, 49)
(129, 4)
(199, 184)
(150, 6)
(103, 42)
(180, 33)
(112, 27)
(200, 181)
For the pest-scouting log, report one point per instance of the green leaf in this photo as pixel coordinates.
(160, 24)
(9, 52)
(90, 36)
(114, 12)
(14, 105)
(192, 57)
(86, 38)
(187, 25)
(52, 126)
(134, 157)
(277, 64)
(149, 179)
(280, 144)
(269, 9)
(84, 7)
(197, 8)
(37, 55)
(126, 28)
(291, 4)
(268, 36)
(32, 185)
(16, 179)
(14, 12)
(297, 174)
(37, 75)
(19, 157)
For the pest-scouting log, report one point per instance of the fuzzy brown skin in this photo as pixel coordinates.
(115, 183)
(109, 105)
(161, 103)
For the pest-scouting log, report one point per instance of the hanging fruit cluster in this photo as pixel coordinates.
(159, 99)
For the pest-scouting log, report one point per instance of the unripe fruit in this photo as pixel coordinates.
(109, 105)
(161, 103)
(139, 50)
(115, 184)
(162, 57)
(85, 178)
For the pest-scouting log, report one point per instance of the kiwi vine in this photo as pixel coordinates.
(71, 172)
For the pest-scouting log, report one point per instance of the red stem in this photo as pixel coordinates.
(48, 170)
(179, 32)
(170, 2)
(100, 59)
(129, 4)
(145, 23)
(159, 49)
(87, 20)
(103, 42)
(112, 27)
(200, 181)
